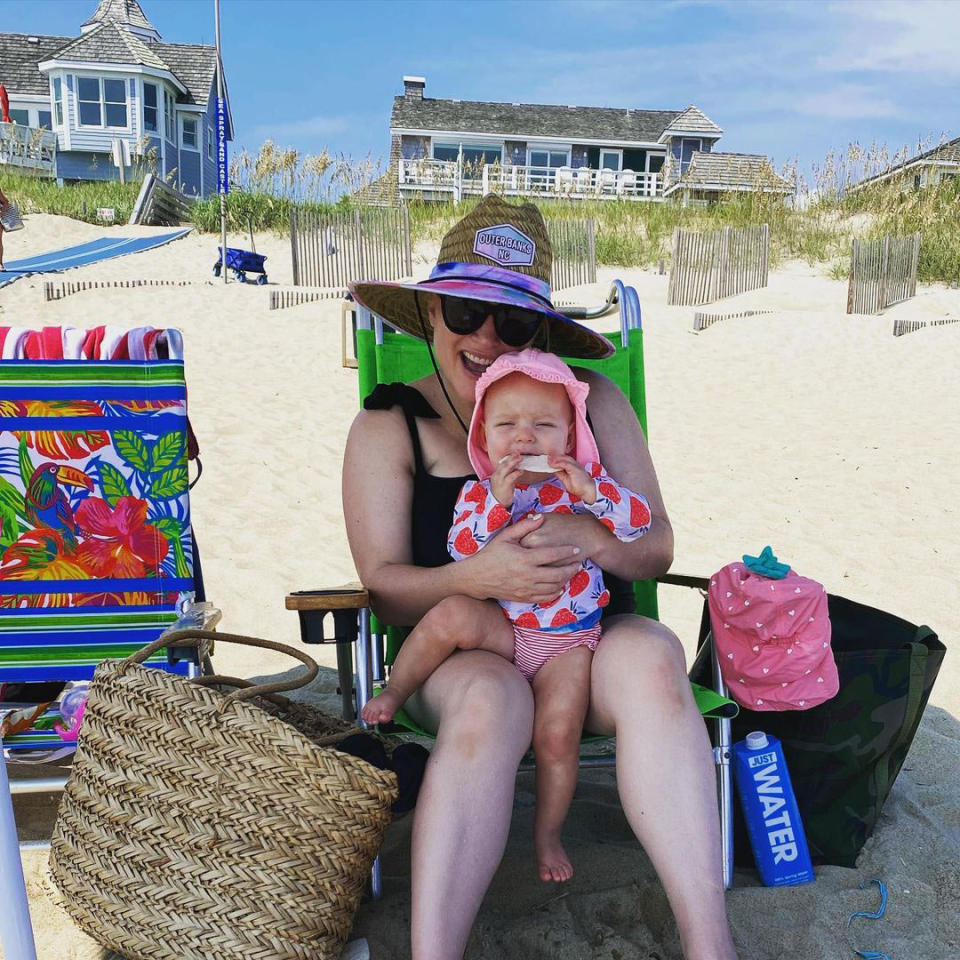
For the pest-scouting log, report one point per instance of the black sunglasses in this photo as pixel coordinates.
(514, 325)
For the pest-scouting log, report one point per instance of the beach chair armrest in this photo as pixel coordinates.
(346, 604)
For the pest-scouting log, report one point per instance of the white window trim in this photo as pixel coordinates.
(196, 148)
(61, 102)
(615, 150)
(462, 142)
(99, 77)
(169, 118)
(209, 136)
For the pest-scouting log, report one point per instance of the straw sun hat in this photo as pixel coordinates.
(498, 253)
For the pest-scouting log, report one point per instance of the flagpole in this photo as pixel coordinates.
(222, 174)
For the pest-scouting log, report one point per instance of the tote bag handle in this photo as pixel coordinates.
(187, 638)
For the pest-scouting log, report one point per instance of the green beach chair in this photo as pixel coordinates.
(386, 356)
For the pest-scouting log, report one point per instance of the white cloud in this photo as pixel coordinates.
(853, 101)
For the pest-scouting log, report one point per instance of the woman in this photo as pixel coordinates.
(489, 295)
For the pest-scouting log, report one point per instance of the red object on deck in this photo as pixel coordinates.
(4, 104)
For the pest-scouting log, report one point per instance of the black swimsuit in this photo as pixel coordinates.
(434, 498)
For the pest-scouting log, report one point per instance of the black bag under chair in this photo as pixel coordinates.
(844, 755)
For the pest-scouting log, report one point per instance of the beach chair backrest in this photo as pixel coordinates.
(96, 553)
(386, 356)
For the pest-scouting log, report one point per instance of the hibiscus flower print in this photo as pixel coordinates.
(118, 541)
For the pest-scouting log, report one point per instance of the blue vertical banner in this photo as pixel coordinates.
(223, 179)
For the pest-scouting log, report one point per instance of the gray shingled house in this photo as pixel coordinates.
(116, 94)
(925, 169)
(443, 149)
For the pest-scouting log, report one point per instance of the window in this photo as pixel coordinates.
(210, 151)
(44, 117)
(188, 133)
(21, 117)
(150, 107)
(103, 102)
(549, 158)
(58, 100)
(609, 159)
(683, 149)
(169, 117)
(474, 155)
(446, 151)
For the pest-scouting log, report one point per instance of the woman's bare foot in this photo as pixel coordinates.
(382, 707)
(552, 860)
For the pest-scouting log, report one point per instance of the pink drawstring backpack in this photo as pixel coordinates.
(772, 634)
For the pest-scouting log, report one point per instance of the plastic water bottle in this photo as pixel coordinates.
(770, 809)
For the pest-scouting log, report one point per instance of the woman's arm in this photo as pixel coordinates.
(377, 496)
(624, 455)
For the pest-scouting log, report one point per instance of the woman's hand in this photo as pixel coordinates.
(507, 569)
(568, 529)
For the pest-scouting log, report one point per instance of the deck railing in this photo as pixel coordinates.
(29, 149)
(449, 176)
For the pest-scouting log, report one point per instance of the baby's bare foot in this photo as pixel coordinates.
(382, 707)
(552, 860)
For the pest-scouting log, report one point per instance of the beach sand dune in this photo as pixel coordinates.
(801, 427)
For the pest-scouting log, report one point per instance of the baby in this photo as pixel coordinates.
(534, 452)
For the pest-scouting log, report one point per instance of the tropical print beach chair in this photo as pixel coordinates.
(384, 356)
(96, 548)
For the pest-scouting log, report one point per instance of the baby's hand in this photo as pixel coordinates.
(503, 480)
(575, 479)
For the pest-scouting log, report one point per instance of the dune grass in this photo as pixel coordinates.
(267, 186)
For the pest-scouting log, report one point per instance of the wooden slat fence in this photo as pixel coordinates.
(574, 252)
(900, 327)
(160, 204)
(370, 243)
(719, 263)
(59, 291)
(882, 272)
(703, 320)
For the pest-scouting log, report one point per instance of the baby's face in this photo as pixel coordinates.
(526, 416)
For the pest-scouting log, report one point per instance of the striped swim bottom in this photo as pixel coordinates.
(533, 648)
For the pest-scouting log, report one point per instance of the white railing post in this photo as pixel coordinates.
(486, 179)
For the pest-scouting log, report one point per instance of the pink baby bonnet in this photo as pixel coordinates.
(772, 638)
(540, 366)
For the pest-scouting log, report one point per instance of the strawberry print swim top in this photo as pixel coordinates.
(478, 517)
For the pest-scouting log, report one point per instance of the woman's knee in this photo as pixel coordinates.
(646, 657)
(486, 704)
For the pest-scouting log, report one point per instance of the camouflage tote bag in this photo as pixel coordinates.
(845, 754)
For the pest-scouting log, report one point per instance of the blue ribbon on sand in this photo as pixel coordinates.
(766, 565)
(872, 954)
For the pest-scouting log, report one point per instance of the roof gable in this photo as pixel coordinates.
(693, 120)
(194, 65)
(111, 43)
(531, 120)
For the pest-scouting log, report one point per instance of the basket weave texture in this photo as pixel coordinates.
(194, 828)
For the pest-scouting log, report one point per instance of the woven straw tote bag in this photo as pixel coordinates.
(198, 824)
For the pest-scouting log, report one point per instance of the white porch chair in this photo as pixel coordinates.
(584, 180)
(626, 183)
(608, 180)
(564, 180)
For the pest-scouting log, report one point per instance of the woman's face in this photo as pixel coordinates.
(462, 358)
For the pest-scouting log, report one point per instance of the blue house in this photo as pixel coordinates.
(114, 96)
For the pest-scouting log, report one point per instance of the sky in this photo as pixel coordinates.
(791, 79)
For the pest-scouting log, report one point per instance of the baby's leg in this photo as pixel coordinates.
(561, 691)
(455, 623)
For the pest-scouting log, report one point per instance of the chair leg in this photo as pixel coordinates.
(16, 932)
(721, 757)
(365, 653)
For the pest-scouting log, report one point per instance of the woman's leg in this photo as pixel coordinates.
(665, 774)
(482, 710)
(455, 623)
(561, 692)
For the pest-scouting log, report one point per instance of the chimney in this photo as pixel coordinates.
(413, 87)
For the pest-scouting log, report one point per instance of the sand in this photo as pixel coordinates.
(800, 427)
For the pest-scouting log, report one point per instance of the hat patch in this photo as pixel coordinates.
(505, 244)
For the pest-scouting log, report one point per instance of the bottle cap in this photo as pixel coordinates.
(757, 740)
